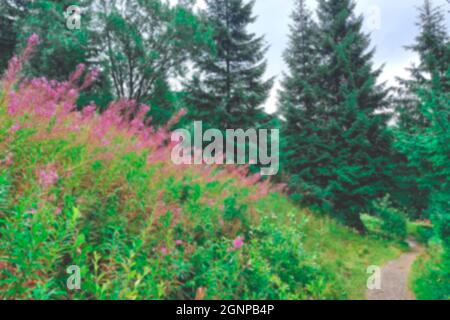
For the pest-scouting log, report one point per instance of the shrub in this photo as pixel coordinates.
(431, 274)
(394, 223)
(99, 191)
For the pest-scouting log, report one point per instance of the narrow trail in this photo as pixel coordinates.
(394, 277)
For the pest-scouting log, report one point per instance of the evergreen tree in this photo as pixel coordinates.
(10, 12)
(228, 89)
(426, 143)
(428, 151)
(297, 102)
(349, 150)
(430, 46)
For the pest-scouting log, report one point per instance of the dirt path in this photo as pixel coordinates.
(394, 277)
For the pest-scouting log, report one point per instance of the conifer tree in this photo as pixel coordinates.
(430, 46)
(426, 144)
(228, 88)
(428, 152)
(349, 149)
(297, 100)
(10, 12)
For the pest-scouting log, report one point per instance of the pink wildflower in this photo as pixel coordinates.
(164, 251)
(91, 77)
(238, 243)
(33, 40)
(176, 118)
(89, 111)
(48, 178)
(13, 105)
(14, 128)
(8, 161)
(78, 73)
(178, 242)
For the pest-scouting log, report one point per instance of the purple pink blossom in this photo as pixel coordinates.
(238, 243)
(48, 178)
(14, 128)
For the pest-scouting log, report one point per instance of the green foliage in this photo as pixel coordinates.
(393, 220)
(61, 49)
(145, 43)
(421, 232)
(11, 11)
(431, 45)
(426, 144)
(137, 49)
(136, 232)
(228, 89)
(338, 148)
(146, 232)
(430, 277)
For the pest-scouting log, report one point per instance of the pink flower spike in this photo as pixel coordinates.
(164, 251)
(78, 72)
(238, 243)
(91, 77)
(33, 40)
(48, 178)
(14, 128)
(178, 242)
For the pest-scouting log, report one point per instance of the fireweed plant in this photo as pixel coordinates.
(98, 191)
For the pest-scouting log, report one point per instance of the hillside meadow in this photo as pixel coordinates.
(98, 191)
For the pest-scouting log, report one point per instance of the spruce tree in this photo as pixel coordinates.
(430, 46)
(349, 150)
(428, 152)
(228, 89)
(426, 144)
(297, 102)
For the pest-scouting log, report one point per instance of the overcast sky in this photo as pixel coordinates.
(390, 22)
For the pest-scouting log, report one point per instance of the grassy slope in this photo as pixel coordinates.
(344, 254)
(429, 279)
(144, 229)
(335, 258)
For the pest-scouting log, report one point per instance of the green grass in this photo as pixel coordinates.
(341, 253)
(430, 277)
(421, 231)
(146, 229)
